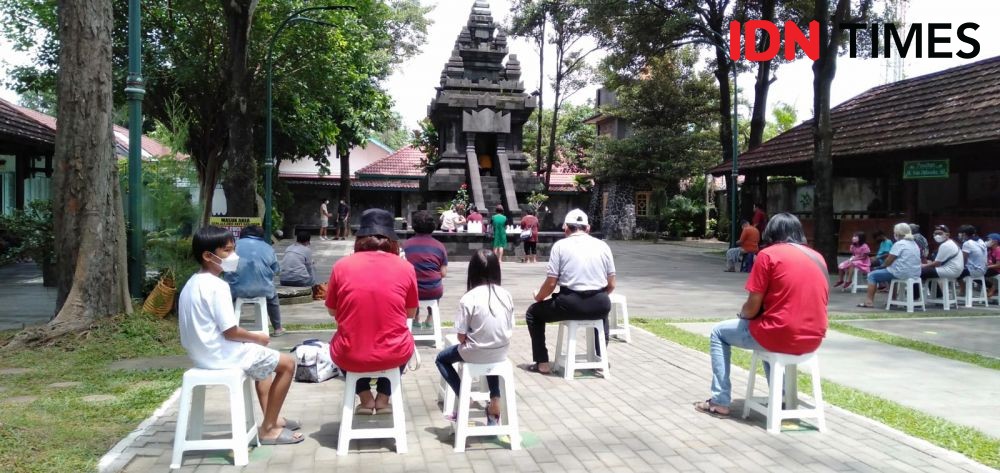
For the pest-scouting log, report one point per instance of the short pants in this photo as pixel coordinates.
(259, 361)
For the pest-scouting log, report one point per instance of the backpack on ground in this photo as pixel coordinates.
(313, 362)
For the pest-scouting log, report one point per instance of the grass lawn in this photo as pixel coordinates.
(930, 348)
(59, 431)
(967, 441)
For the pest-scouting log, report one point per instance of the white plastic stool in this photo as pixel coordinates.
(910, 301)
(855, 285)
(435, 337)
(997, 282)
(261, 303)
(446, 395)
(949, 292)
(508, 406)
(398, 429)
(618, 325)
(784, 380)
(970, 298)
(567, 358)
(191, 415)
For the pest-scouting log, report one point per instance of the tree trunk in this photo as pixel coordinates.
(87, 207)
(541, 92)
(240, 183)
(345, 173)
(824, 70)
(763, 84)
(208, 177)
(550, 159)
(726, 122)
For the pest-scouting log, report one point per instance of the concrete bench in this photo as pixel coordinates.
(288, 295)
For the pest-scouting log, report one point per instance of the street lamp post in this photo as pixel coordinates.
(733, 202)
(134, 91)
(295, 17)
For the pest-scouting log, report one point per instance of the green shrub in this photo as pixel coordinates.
(29, 232)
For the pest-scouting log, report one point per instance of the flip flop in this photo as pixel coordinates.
(361, 410)
(706, 407)
(286, 437)
(292, 424)
(533, 368)
(382, 411)
(866, 306)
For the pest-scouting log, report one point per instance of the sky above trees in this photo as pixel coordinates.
(412, 86)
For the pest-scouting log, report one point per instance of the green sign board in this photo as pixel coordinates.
(937, 169)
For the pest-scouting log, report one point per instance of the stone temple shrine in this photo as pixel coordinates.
(479, 112)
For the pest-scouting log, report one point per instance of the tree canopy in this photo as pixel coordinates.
(671, 111)
(327, 79)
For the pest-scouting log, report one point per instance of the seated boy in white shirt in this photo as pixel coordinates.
(211, 334)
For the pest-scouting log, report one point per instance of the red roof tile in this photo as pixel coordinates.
(150, 147)
(403, 163)
(18, 126)
(363, 184)
(956, 106)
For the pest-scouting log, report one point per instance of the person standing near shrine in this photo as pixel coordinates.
(499, 222)
(759, 220)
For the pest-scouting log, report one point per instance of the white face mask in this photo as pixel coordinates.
(940, 238)
(229, 263)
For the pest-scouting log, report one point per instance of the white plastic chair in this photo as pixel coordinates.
(508, 406)
(435, 336)
(970, 297)
(259, 325)
(618, 325)
(912, 300)
(191, 415)
(566, 352)
(855, 284)
(949, 292)
(398, 429)
(782, 380)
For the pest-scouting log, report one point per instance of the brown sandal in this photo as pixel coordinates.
(706, 407)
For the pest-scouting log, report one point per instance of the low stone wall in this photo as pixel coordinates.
(460, 246)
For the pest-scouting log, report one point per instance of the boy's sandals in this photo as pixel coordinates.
(706, 407)
(866, 306)
(286, 437)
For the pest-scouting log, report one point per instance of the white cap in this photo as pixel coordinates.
(576, 217)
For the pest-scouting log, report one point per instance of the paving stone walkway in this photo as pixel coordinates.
(639, 421)
(957, 391)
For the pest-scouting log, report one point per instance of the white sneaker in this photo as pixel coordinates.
(322, 238)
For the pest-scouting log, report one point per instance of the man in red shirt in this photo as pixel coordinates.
(749, 242)
(759, 219)
(790, 282)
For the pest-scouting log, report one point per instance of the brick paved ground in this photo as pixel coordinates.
(641, 420)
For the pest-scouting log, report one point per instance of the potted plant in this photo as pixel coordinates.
(28, 232)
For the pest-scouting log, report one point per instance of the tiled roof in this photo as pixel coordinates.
(150, 147)
(364, 184)
(17, 126)
(956, 106)
(403, 163)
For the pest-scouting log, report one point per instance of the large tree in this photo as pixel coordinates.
(87, 206)
(574, 138)
(197, 50)
(824, 70)
(670, 110)
(572, 72)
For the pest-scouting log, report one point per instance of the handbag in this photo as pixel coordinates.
(313, 362)
(526, 234)
(319, 292)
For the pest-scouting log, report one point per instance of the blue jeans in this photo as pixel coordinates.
(727, 334)
(880, 276)
(445, 361)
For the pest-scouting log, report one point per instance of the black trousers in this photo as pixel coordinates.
(565, 305)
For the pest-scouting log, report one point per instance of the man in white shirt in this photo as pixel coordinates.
(974, 251)
(584, 270)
